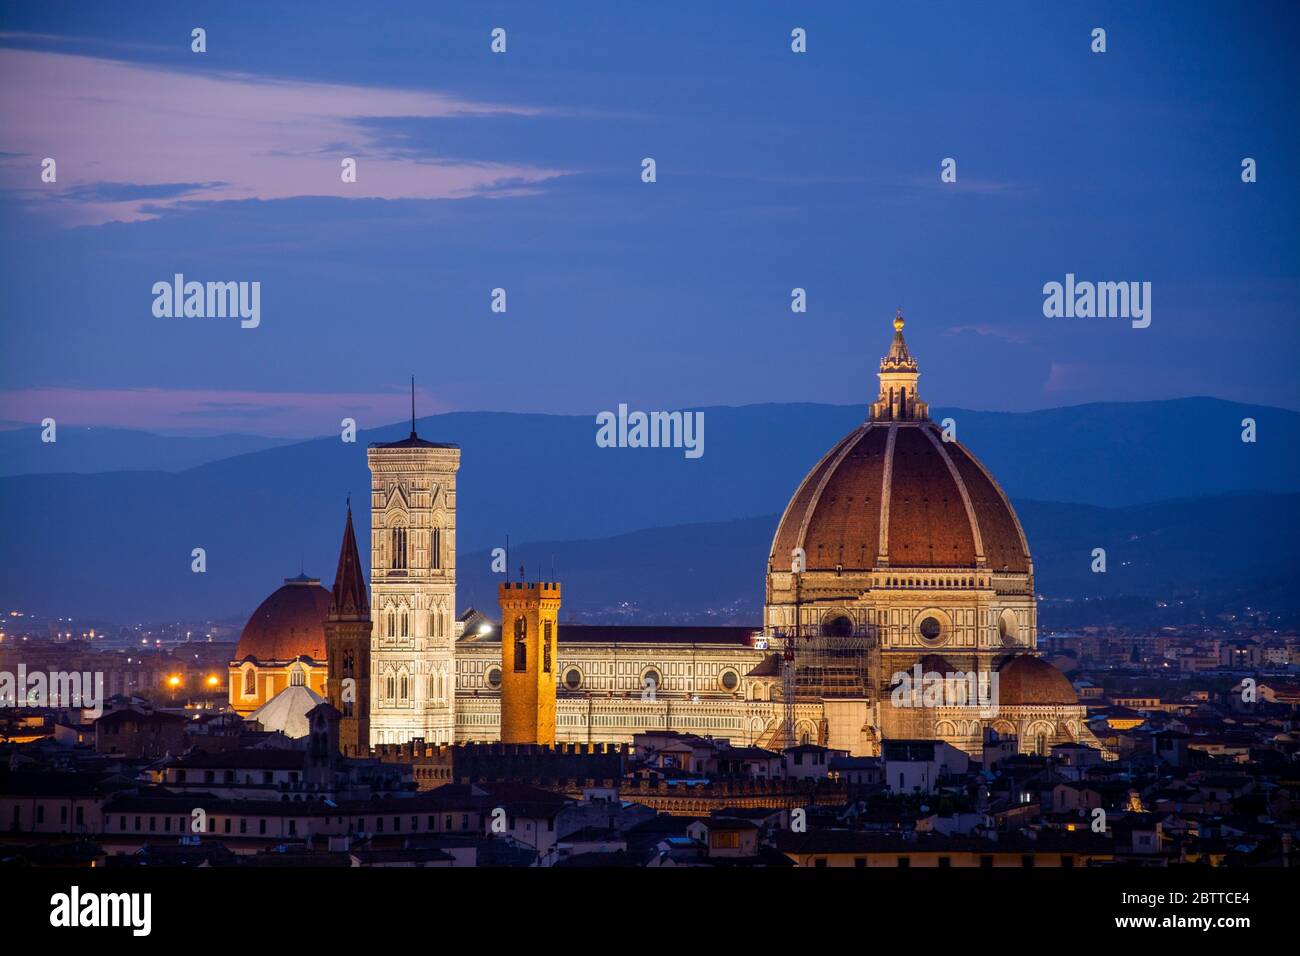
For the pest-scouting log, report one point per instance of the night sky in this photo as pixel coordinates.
(523, 171)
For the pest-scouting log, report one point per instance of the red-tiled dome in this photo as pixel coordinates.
(895, 493)
(1028, 680)
(288, 624)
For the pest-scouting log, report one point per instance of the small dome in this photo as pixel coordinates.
(1026, 680)
(288, 624)
(287, 711)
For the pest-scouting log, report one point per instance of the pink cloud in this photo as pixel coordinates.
(211, 411)
(244, 137)
(1003, 332)
(1067, 377)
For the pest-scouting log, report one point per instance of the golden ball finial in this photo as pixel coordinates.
(898, 320)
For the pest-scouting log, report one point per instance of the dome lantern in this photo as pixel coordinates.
(897, 400)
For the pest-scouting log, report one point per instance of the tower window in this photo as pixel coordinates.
(348, 663)
(546, 647)
(392, 687)
(521, 644)
(398, 549)
(435, 548)
(406, 623)
(405, 688)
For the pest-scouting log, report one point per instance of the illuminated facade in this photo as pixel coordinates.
(897, 554)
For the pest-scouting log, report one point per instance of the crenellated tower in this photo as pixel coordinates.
(529, 661)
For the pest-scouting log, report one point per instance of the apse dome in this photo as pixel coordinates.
(1026, 680)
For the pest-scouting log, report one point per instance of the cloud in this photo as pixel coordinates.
(110, 124)
(990, 331)
(1068, 377)
(120, 192)
(280, 414)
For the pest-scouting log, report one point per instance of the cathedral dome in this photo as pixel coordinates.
(288, 624)
(1028, 680)
(893, 493)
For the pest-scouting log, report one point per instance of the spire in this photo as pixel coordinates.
(897, 400)
(349, 599)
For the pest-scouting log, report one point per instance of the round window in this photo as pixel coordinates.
(930, 629)
(494, 677)
(837, 627)
(651, 678)
(572, 678)
(730, 680)
(1008, 629)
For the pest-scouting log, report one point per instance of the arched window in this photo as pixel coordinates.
(250, 681)
(406, 622)
(392, 622)
(392, 687)
(349, 663)
(397, 549)
(405, 688)
(435, 548)
(297, 678)
(521, 644)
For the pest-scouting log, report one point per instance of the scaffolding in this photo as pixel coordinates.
(819, 660)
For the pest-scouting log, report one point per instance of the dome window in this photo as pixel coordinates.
(930, 629)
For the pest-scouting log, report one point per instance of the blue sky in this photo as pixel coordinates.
(522, 171)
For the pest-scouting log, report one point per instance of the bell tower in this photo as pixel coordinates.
(413, 589)
(347, 649)
(529, 661)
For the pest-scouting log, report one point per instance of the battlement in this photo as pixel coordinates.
(540, 589)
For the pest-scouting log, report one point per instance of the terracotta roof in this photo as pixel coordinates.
(893, 493)
(288, 624)
(412, 441)
(653, 634)
(349, 598)
(1029, 680)
(837, 513)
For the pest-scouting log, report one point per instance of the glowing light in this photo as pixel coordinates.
(213, 681)
(174, 681)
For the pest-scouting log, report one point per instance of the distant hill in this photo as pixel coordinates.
(118, 544)
(1229, 551)
(84, 450)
